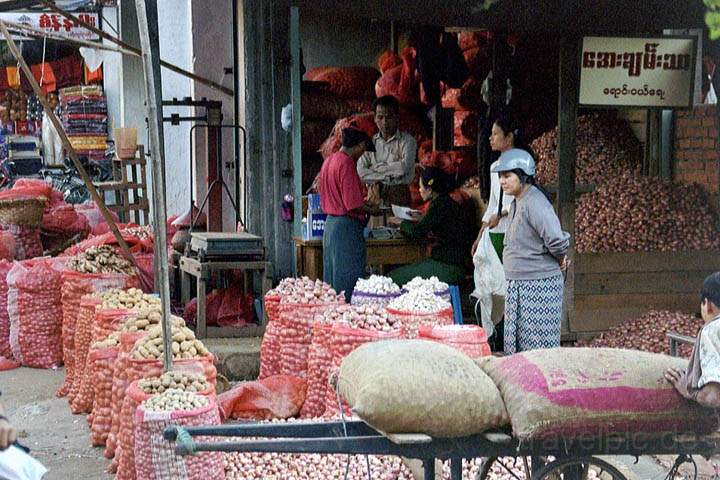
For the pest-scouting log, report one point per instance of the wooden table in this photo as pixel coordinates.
(380, 253)
(202, 271)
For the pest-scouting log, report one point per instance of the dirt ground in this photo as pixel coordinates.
(59, 439)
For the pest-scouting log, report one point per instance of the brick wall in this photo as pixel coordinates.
(695, 155)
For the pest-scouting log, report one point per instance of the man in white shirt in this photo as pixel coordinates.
(391, 168)
(701, 381)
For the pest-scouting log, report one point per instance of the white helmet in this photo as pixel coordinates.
(515, 159)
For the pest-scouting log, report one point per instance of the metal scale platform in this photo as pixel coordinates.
(225, 245)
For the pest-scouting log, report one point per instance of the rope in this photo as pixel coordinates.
(185, 439)
(42, 65)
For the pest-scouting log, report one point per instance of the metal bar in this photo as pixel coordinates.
(295, 96)
(66, 142)
(429, 468)
(148, 26)
(305, 430)
(455, 468)
(126, 46)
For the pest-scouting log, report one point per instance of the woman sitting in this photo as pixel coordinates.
(449, 228)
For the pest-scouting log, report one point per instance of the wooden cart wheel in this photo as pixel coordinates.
(518, 468)
(578, 468)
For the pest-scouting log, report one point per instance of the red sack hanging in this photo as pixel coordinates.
(347, 82)
(83, 339)
(361, 121)
(401, 81)
(101, 365)
(387, 60)
(344, 339)
(134, 396)
(156, 458)
(64, 219)
(469, 339)
(74, 286)
(465, 129)
(279, 396)
(35, 312)
(5, 349)
(466, 98)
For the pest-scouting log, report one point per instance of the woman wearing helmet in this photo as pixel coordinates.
(534, 257)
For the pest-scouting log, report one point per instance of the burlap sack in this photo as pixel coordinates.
(578, 392)
(415, 386)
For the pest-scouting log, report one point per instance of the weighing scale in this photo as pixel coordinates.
(226, 245)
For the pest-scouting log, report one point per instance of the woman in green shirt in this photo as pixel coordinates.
(446, 225)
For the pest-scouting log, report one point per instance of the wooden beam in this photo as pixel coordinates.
(148, 26)
(117, 41)
(567, 153)
(66, 142)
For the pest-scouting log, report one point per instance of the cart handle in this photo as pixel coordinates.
(675, 339)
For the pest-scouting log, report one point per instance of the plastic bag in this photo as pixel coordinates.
(15, 464)
(489, 278)
(279, 396)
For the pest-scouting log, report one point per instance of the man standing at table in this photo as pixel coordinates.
(390, 168)
(343, 200)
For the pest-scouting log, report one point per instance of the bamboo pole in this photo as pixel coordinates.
(65, 141)
(126, 46)
(148, 26)
(28, 30)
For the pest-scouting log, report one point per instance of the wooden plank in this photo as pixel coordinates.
(640, 282)
(597, 313)
(408, 438)
(647, 262)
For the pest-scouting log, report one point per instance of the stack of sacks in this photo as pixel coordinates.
(84, 117)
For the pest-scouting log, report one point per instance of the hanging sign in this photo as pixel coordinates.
(55, 23)
(638, 72)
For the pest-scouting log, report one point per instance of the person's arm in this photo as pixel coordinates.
(405, 166)
(368, 171)
(352, 195)
(8, 434)
(418, 231)
(546, 223)
(493, 200)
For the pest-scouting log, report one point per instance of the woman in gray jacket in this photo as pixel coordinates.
(534, 258)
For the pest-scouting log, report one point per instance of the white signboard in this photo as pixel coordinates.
(638, 72)
(55, 23)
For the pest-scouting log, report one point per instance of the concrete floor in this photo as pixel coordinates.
(57, 438)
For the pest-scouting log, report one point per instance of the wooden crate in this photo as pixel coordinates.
(612, 287)
(129, 185)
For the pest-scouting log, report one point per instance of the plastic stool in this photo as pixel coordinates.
(457, 307)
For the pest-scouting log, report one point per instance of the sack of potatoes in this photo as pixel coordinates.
(184, 345)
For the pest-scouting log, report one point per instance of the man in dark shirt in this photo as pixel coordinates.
(343, 200)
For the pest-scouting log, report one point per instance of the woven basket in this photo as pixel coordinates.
(27, 212)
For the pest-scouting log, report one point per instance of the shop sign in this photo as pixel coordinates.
(55, 23)
(638, 72)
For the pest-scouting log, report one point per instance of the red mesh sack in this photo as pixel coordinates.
(74, 286)
(361, 121)
(279, 396)
(270, 350)
(35, 312)
(136, 244)
(401, 81)
(134, 396)
(107, 321)
(387, 60)
(319, 362)
(101, 364)
(94, 217)
(121, 371)
(5, 349)
(412, 322)
(469, 339)
(347, 82)
(296, 326)
(83, 339)
(466, 98)
(344, 339)
(27, 241)
(30, 187)
(145, 262)
(459, 163)
(156, 458)
(465, 129)
(8, 246)
(64, 219)
(468, 40)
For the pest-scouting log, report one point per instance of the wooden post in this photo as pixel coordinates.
(66, 141)
(567, 156)
(148, 26)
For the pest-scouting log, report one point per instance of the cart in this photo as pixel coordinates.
(548, 460)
